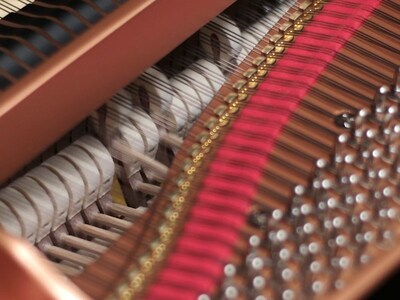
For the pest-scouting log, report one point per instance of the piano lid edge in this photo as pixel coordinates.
(61, 92)
(21, 263)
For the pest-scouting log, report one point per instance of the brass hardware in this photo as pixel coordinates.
(268, 49)
(258, 61)
(285, 26)
(187, 164)
(306, 4)
(252, 84)
(202, 137)
(242, 97)
(249, 72)
(230, 97)
(288, 38)
(194, 150)
(275, 38)
(211, 123)
(280, 48)
(298, 27)
(220, 110)
(239, 84)
(271, 60)
(262, 72)
(233, 109)
(296, 15)
(140, 274)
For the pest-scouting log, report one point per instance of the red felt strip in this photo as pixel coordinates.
(196, 264)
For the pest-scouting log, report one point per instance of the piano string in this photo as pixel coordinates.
(167, 99)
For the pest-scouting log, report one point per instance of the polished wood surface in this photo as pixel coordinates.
(61, 92)
(26, 274)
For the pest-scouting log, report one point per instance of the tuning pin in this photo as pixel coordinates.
(389, 119)
(289, 294)
(316, 276)
(323, 180)
(310, 224)
(343, 260)
(203, 297)
(373, 174)
(342, 161)
(357, 131)
(316, 183)
(368, 137)
(301, 206)
(391, 142)
(380, 103)
(345, 120)
(375, 157)
(341, 153)
(258, 219)
(258, 283)
(320, 285)
(255, 263)
(231, 291)
(383, 194)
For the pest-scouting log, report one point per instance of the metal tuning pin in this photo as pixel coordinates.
(345, 120)
(230, 290)
(380, 103)
(357, 132)
(341, 153)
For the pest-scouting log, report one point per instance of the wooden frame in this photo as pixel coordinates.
(61, 92)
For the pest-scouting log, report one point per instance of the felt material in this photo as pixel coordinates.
(195, 266)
